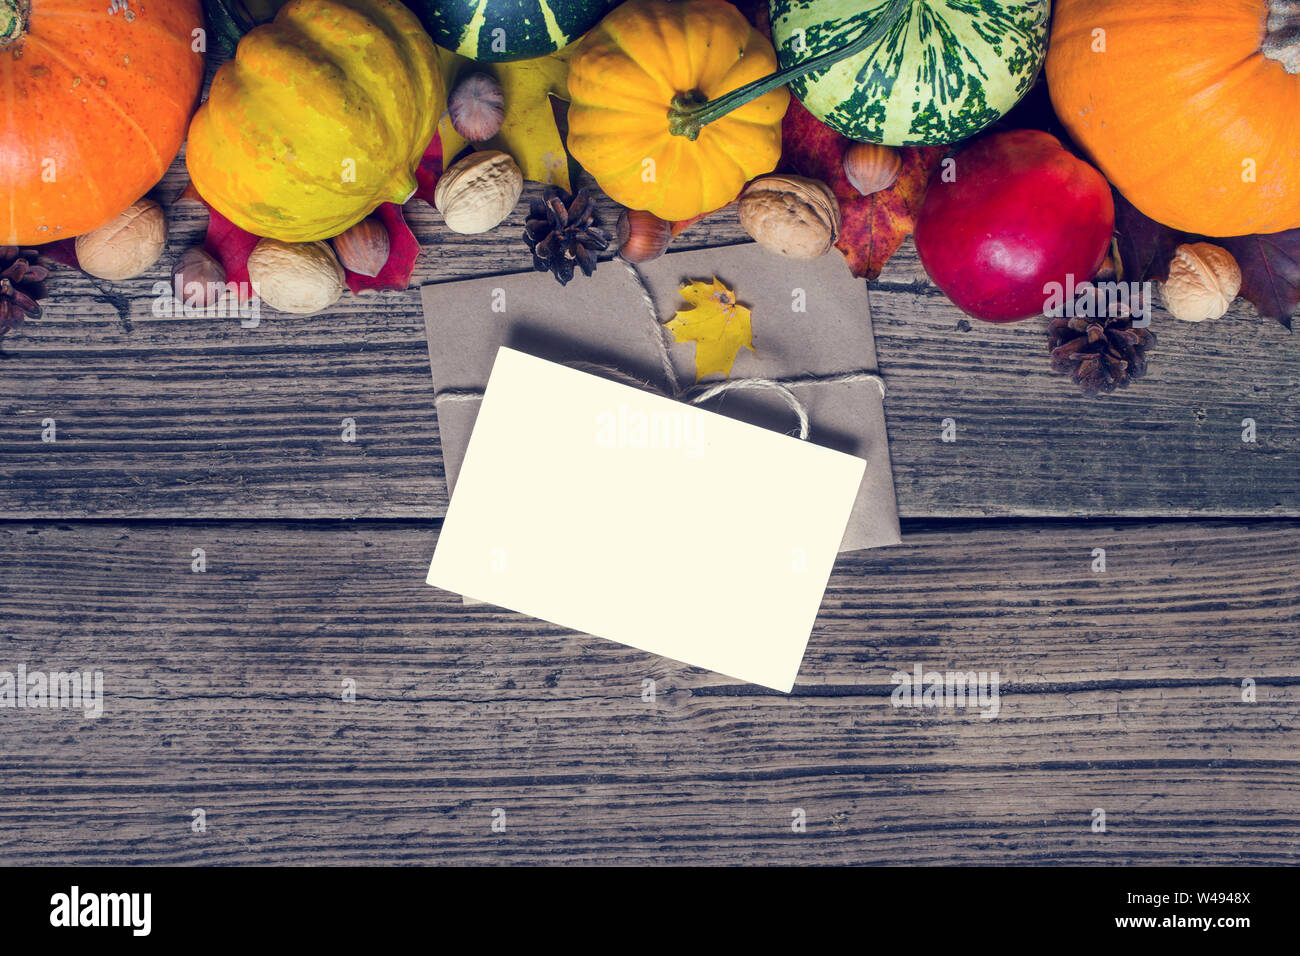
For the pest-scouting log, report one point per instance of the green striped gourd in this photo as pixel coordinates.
(941, 72)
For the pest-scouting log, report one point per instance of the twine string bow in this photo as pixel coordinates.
(702, 392)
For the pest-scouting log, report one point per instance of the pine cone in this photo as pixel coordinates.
(1102, 353)
(561, 231)
(22, 286)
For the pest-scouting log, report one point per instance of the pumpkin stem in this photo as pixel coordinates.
(688, 115)
(1282, 34)
(13, 20)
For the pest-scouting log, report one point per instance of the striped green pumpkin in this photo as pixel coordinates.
(494, 31)
(946, 69)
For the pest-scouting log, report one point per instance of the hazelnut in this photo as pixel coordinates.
(793, 216)
(364, 248)
(870, 167)
(297, 277)
(198, 279)
(1203, 281)
(642, 235)
(478, 192)
(477, 107)
(126, 246)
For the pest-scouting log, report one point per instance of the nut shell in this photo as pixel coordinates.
(364, 248)
(642, 236)
(127, 246)
(871, 167)
(793, 216)
(478, 192)
(477, 107)
(296, 277)
(1203, 281)
(199, 279)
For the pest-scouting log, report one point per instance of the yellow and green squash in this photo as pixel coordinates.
(323, 115)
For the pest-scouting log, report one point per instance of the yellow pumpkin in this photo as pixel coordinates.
(649, 58)
(322, 116)
(1190, 107)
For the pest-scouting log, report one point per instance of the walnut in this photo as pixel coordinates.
(297, 277)
(792, 216)
(128, 245)
(1203, 281)
(478, 192)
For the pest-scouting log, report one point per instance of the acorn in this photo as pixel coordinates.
(871, 167)
(364, 248)
(642, 235)
(477, 107)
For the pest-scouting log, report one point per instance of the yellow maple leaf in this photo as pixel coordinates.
(718, 325)
(529, 133)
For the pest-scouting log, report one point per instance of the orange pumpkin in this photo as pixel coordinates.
(1190, 107)
(95, 98)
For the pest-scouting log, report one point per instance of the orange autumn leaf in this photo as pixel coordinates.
(873, 226)
(718, 325)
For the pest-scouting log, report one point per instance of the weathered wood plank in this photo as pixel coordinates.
(1119, 690)
(161, 417)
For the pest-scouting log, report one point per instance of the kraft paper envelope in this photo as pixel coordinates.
(654, 523)
(809, 318)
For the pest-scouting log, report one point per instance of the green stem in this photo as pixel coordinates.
(229, 20)
(13, 20)
(690, 112)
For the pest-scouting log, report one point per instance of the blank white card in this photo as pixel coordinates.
(650, 522)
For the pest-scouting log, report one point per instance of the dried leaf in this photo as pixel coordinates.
(1270, 264)
(231, 246)
(429, 170)
(1145, 246)
(1270, 271)
(718, 325)
(876, 225)
(64, 252)
(530, 133)
(681, 225)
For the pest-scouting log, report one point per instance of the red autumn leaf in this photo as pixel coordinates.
(63, 252)
(1145, 246)
(876, 225)
(429, 170)
(1270, 271)
(231, 246)
(682, 225)
(403, 250)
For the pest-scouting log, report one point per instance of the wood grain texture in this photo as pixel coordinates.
(1120, 691)
(200, 418)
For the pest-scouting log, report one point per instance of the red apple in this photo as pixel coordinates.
(1020, 213)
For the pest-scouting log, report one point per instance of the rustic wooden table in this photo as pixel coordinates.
(1121, 691)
